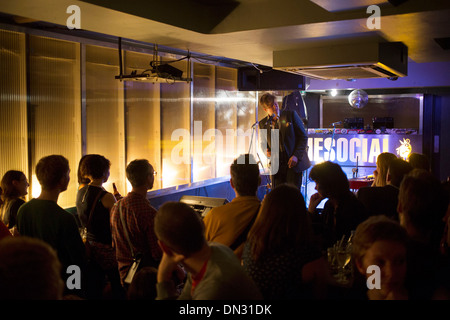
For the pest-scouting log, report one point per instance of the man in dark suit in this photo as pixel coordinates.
(288, 154)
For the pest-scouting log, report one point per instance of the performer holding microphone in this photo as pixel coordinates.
(291, 158)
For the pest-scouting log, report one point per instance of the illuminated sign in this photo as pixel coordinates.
(347, 149)
(405, 149)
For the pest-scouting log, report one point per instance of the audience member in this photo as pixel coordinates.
(29, 270)
(342, 212)
(138, 217)
(228, 224)
(280, 254)
(14, 187)
(93, 206)
(380, 172)
(419, 161)
(381, 242)
(214, 271)
(43, 218)
(143, 286)
(384, 200)
(422, 204)
(83, 180)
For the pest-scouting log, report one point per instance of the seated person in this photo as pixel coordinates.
(422, 205)
(214, 271)
(383, 200)
(280, 254)
(342, 212)
(380, 173)
(419, 161)
(381, 242)
(30, 270)
(225, 224)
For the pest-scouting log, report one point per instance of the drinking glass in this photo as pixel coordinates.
(343, 257)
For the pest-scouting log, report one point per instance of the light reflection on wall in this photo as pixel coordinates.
(35, 187)
(170, 174)
(122, 121)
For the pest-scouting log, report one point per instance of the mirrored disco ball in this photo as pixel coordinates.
(358, 99)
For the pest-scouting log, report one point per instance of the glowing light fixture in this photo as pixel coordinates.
(405, 149)
(358, 99)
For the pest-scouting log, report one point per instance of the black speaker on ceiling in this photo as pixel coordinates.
(268, 79)
(396, 2)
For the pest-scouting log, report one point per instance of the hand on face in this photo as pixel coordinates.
(166, 268)
(314, 201)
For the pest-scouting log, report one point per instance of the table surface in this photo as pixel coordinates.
(357, 183)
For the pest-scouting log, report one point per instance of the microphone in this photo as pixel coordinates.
(270, 120)
(336, 123)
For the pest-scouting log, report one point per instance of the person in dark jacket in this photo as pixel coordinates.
(289, 157)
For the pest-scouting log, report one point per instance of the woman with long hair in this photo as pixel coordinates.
(280, 254)
(14, 187)
(342, 212)
(383, 161)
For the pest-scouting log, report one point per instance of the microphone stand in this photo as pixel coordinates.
(332, 140)
(269, 185)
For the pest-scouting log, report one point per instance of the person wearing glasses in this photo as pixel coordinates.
(138, 219)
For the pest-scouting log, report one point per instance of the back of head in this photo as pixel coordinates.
(398, 168)
(376, 228)
(179, 227)
(419, 161)
(267, 99)
(332, 179)
(29, 269)
(95, 166)
(8, 190)
(143, 286)
(137, 172)
(282, 222)
(81, 174)
(383, 161)
(50, 170)
(245, 175)
(423, 203)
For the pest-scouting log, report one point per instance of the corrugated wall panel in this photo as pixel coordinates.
(13, 103)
